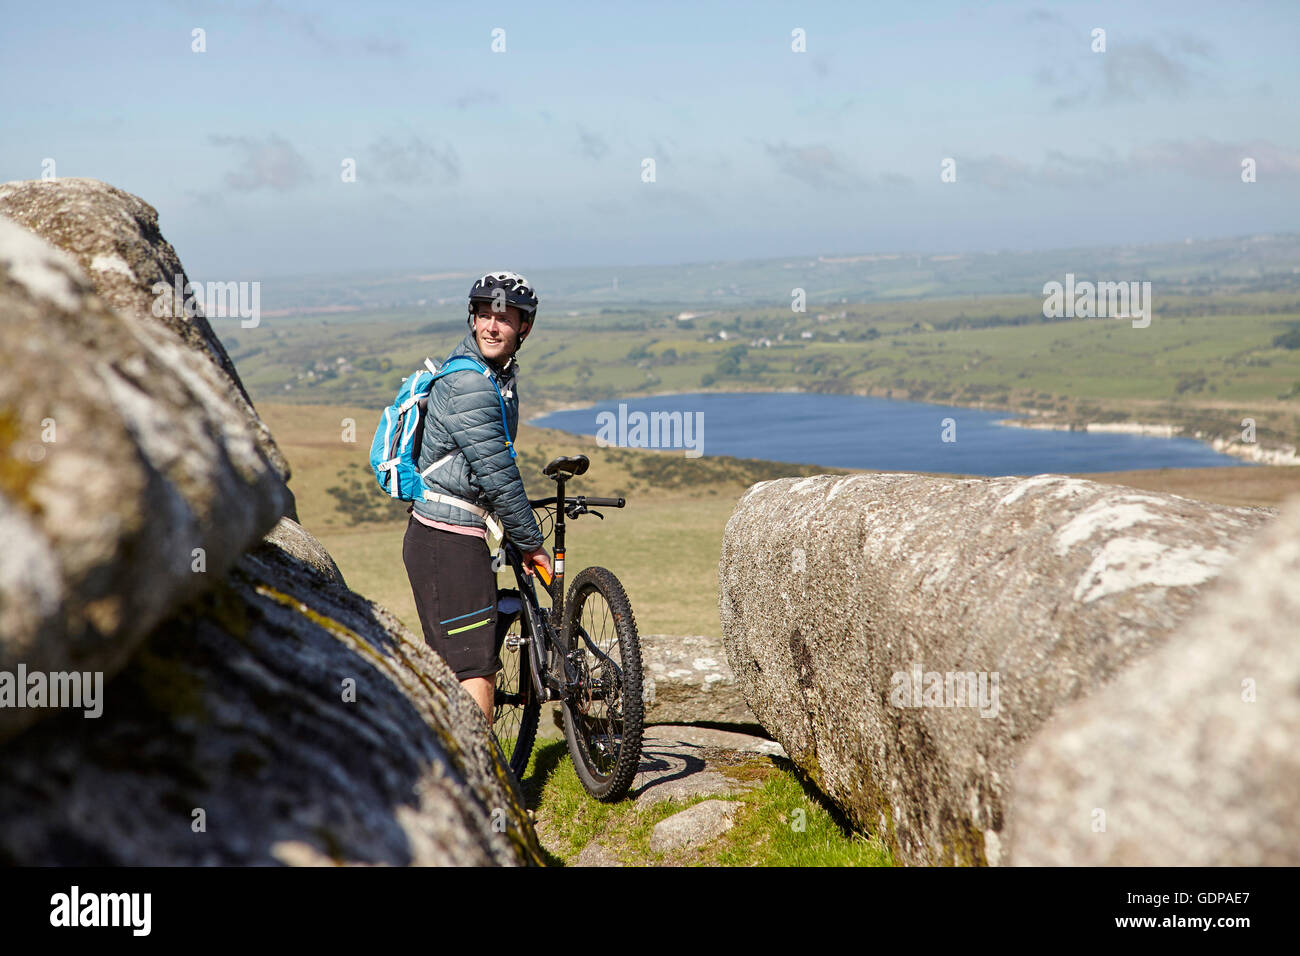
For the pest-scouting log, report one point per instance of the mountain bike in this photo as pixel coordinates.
(583, 652)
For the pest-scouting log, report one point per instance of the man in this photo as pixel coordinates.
(469, 476)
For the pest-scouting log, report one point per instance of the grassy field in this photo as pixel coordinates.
(664, 546)
(1206, 362)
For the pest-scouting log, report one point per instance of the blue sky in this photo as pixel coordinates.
(531, 158)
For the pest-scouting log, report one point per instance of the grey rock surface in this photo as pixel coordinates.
(687, 735)
(595, 854)
(1190, 758)
(687, 680)
(115, 239)
(240, 707)
(296, 540)
(675, 770)
(128, 479)
(255, 709)
(671, 789)
(694, 826)
(847, 601)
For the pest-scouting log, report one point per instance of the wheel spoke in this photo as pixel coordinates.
(601, 733)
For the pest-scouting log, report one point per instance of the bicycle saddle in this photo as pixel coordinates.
(570, 466)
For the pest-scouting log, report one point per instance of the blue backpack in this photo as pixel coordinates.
(395, 450)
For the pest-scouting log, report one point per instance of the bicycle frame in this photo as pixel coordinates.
(541, 632)
(545, 627)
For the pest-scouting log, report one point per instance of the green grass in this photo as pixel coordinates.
(783, 822)
(772, 831)
(552, 787)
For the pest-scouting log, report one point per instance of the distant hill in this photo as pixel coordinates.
(1260, 263)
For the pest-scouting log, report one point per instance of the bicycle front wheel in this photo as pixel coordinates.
(515, 706)
(604, 717)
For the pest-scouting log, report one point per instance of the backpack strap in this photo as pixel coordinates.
(464, 362)
(440, 462)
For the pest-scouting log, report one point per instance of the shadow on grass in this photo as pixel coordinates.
(546, 757)
(832, 810)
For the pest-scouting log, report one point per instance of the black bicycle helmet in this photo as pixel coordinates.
(517, 291)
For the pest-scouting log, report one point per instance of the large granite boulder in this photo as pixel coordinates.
(1190, 758)
(114, 237)
(279, 718)
(240, 704)
(128, 478)
(904, 636)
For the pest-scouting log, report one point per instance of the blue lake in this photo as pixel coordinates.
(850, 431)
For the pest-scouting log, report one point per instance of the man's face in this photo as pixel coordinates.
(498, 333)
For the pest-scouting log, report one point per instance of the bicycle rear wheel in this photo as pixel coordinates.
(603, 719)
(515, 706)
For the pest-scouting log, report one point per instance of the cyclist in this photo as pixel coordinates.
(471, 479)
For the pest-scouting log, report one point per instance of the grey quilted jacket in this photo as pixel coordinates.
(464, 417)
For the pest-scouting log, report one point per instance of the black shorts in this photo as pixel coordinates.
(456, 596)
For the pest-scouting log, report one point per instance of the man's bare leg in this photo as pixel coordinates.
(483, 690)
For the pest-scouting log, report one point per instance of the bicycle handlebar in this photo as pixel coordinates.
(581, 500)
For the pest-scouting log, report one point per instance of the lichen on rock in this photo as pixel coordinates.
(903, 636)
